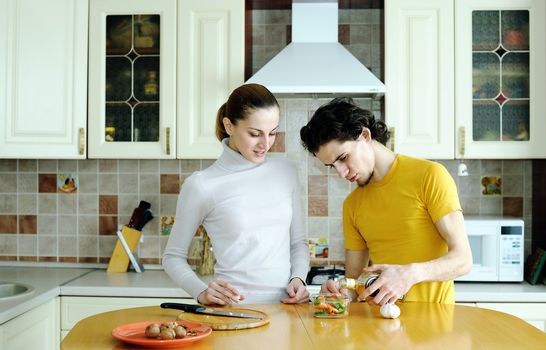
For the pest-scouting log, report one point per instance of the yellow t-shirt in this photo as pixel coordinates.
(394, 218)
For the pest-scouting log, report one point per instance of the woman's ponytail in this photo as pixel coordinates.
(221, 132)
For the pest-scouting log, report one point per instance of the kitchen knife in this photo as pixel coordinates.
(199, 309)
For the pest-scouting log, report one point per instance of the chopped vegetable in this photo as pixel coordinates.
(331, 305)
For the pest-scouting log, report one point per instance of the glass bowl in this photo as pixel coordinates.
(329, 305)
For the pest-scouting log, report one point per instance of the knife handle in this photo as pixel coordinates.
(183, 307)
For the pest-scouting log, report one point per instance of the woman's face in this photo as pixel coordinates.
(254, 136)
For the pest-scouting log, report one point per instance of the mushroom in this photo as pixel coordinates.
(180, 332)
(390, 311)
(167, 334)
(152, 331)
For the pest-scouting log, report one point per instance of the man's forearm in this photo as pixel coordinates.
(447, 267)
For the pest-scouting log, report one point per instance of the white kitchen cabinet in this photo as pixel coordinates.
(159, 101)
(419, 75)
(210, 66)
(74, 309)
(501, 78)
(43, 78)
(533, 313)
(37, 328)
(443, 86)
(132, 79)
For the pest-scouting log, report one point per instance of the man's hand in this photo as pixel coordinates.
(219, 292)
(297, 293)
(394, 282)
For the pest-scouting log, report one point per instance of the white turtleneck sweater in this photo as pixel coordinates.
(252, 214)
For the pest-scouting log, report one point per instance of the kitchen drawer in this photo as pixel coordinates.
(532, 313)
(74, 309)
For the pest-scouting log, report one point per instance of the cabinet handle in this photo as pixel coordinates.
(461, 141)
(168, 141)
(391, 130)
(82, 141)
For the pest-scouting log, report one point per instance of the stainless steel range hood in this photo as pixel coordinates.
(315, 62)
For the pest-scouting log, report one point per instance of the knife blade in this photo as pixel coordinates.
(199, 309)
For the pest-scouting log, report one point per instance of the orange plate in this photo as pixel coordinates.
(133, 333)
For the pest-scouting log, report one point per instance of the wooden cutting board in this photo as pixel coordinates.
(227, 323)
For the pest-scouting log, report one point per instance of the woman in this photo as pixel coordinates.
(249, 206)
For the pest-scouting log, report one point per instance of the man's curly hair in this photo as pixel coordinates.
(341, 120)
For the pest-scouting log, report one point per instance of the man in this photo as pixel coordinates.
(404, 215)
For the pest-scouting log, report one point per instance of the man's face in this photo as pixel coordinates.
(254, 136)
(352, 160)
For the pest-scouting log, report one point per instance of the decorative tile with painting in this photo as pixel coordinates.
(67, 183)
(167, 223)
(318, 248)
(491, 185)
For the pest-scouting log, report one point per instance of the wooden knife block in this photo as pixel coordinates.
(119, 261)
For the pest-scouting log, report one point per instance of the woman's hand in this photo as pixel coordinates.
(297, 293)
(332, 286)
(219, 292)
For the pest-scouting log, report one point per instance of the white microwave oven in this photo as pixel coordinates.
(497, 249)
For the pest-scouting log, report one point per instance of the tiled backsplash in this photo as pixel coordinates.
(40, 222)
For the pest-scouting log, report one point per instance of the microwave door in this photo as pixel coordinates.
(484, 244)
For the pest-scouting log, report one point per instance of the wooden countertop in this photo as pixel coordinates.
(420, 326)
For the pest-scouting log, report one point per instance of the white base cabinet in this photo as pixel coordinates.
(532, 313)
(35, 329)
(74, 309)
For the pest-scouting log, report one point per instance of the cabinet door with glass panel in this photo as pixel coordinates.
(500, 78)
(132, 79)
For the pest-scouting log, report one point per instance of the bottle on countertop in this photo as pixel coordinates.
(359, 284)
(362, 282)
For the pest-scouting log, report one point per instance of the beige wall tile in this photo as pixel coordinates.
(47, 203)
(88, 247)
(70, 166)
(128, 165)
(128, 183)
(169, 166)
(28, 183)
(108, 166)
(47, 224)
(28, 165)
(28, 245)
(47, 166)
(108, 183)
(88, 183)
(88, 204)
(8, 183)
(68, 225)
(88, 166)
(106, 245)
(68, 203)
(68, 246)
(47, 246)
(88, 225)
(28, 203)
(149, 166)
(8, 204)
